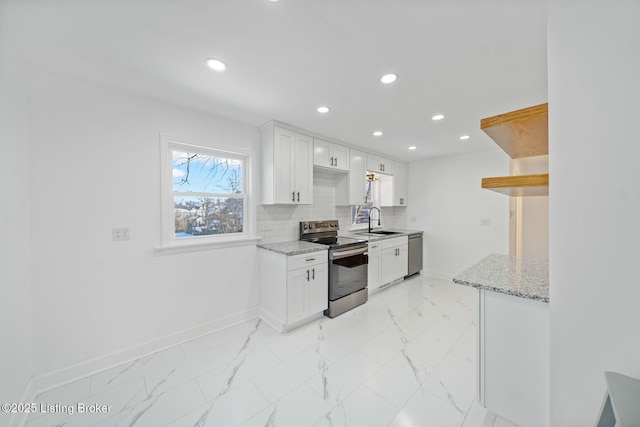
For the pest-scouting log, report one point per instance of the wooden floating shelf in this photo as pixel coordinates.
(519, 185)
(520, 133)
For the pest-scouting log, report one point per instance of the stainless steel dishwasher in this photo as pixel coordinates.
(415, 253)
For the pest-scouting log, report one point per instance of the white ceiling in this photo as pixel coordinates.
(467, 59)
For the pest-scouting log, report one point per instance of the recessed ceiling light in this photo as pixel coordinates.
(322, 110)
(438, 117)
(273, 1)
(389, 78)
(465, 137)
(413, 147)
(216, 64)
(377, 133)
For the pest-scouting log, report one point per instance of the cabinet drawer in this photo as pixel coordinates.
(305, 260)
(396, 241)
(375, 246)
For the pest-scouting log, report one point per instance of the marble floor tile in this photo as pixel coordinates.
(384, 346)
(290, 374)
(426, 410)
(450, 382)
(362, 408)
(121, 374)
(405, 358)
(398, 380)
(301, 407)
(335, 382)
(242, 369)
(230, 409)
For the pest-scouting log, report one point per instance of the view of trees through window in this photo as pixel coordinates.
(208, 194)
(360, 213)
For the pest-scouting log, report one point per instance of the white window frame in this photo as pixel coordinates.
(169, 243)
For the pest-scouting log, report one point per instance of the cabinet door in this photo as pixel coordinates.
(400, 183)
(373, 270)
(297, 294)
(380, 164)
(318, 289)
(303, 169)
(322, 153)
(374, 163)
(388, 266)
(394, 263)
(283, 149)
(357, 178)
(340, 157)
(403, 260)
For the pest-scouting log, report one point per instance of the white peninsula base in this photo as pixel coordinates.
(513, 358)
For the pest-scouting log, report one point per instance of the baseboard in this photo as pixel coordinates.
(90, 367)
(28, 396)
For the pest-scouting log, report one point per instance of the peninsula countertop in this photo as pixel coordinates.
(294, 247)
(520, 277)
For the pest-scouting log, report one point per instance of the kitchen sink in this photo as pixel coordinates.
(386, 233)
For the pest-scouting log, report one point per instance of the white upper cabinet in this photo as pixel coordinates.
(287, 166)
(329, 155)
(400, 183)
(379, 164)
(351, 188)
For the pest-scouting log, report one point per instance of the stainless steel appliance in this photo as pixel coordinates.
(415, 253)
(348, 264)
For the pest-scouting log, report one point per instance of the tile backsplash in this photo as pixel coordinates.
(281, 223)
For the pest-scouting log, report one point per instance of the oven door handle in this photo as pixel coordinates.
(344, 254)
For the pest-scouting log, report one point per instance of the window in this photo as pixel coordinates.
(205, 194)
(360, 213)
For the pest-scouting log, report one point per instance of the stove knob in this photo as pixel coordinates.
(310, 226)
(306, 226)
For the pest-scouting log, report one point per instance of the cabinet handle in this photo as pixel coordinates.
(293, 196)
(310, 259)
(336, 165)
(332, 161)
(313, 274)
(373, 247)
(298, 196)
(381, 167)
(307, 275)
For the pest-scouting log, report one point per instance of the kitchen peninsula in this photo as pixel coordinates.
(513, 336)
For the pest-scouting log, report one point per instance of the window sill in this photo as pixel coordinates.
(181, 247)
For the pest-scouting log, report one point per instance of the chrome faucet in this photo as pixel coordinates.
(370, 210)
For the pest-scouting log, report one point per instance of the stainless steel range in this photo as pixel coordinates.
(348, 263)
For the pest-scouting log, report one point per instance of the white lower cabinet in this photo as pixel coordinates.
(373, 269)
(293, 289)
(388, 261)
(395, 259)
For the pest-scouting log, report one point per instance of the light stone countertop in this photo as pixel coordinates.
(294, 247)
(520, 277)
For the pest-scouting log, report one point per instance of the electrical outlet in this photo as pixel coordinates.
(120, 233)
(266, 226)
(485, 222)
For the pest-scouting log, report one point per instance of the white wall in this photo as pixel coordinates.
(16, 366)
(447, 202)
(95, 164)
(594, 201)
